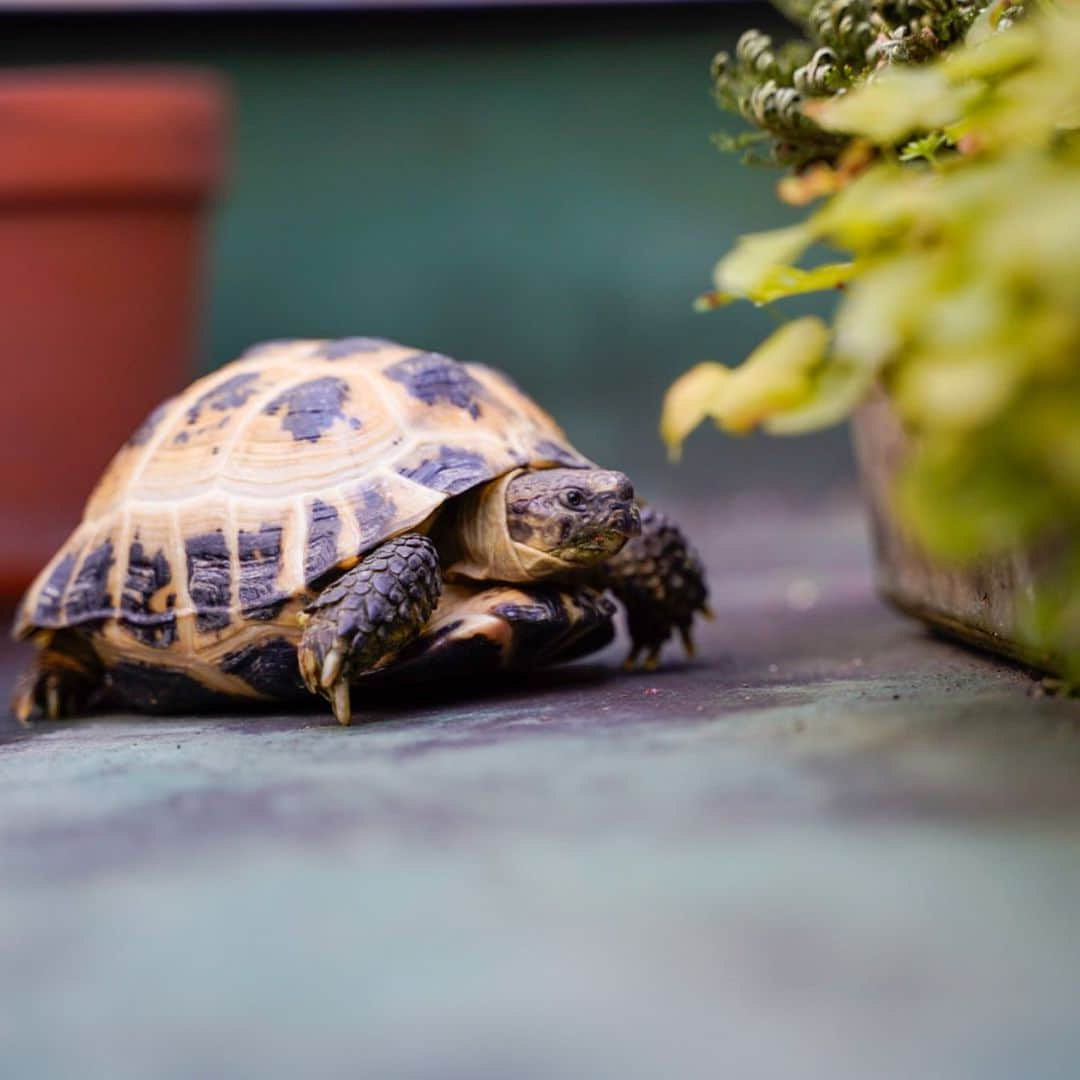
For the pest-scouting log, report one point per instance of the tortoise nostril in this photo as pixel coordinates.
(626, 521)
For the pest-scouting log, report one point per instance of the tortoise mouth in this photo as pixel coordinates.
(590, 552)
(622, 522)
(602, 542)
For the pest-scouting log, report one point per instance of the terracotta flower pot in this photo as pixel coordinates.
(105, 179)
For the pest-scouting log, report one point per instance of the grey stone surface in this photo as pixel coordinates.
(832, 846)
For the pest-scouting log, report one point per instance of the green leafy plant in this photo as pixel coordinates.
(843, 41)
(950, 169)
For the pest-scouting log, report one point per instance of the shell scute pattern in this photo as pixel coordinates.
(260, 555)
(89, 593)
(309, 409)
(387, 503)
(297, 459)
(350, 346)
(311, 434)
(148, 584)
(48, 609)
(323, 532)
(378, 504)
(209, 578)
(223, 396)
(436, 379)
(447, 469)
(147, 574)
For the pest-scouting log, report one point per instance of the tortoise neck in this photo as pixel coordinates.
(487, 551)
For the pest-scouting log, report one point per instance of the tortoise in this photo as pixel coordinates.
(319, 517)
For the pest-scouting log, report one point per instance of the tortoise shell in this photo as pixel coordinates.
(235, 498)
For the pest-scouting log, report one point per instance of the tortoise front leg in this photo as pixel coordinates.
(366, 616)
(660, 580)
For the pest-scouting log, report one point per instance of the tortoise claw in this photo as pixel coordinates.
(339, 702)
(650, 663)
(23, 703)
(53, 709)
(331, 668)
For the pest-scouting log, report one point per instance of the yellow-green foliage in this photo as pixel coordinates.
(960, 224)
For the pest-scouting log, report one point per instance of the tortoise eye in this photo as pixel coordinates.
(573, 498)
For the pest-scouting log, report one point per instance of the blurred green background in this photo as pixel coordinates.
(535, 189)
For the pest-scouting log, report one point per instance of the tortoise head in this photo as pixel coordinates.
(581, 516)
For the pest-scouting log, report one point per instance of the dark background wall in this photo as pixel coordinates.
(535, 189)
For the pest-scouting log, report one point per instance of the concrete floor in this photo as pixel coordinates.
(833, 846)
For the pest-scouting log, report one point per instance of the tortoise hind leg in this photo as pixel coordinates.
(550, 625)
(365, 617)
(64, 678)
(479, 631)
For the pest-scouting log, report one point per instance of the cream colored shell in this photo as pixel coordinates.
(234, 498)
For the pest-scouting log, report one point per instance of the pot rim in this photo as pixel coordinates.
(111, 132)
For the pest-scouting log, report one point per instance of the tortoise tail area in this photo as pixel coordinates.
(65, 678)
(68, 678)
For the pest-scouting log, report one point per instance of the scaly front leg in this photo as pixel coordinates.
(367, 616)
(661, 582)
